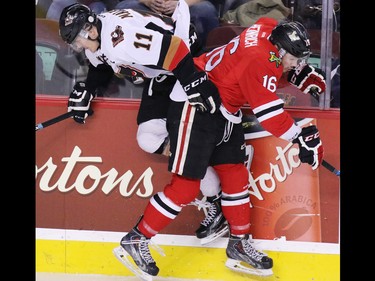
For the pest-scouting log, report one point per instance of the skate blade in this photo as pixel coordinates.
(124, 258)
(214, 236)
(246, 268)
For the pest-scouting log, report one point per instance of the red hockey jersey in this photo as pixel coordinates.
(247, 70)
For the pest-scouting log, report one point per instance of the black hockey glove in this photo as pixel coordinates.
(308, 79)
(202, 93)
(310, 146)
(79, 102)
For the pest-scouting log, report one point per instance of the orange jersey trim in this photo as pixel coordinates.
(176, 52)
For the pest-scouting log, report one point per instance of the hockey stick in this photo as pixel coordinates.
(54, 120)
(330, 168)
(59, 118)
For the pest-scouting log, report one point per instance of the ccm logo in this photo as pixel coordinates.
(311, 137)
(195, 83)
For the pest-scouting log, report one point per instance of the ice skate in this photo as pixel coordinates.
(214, 224)
(135, 245)
(243, 257)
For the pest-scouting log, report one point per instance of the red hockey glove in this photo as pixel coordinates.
(79, 102)
(310, 146)
(308, 79)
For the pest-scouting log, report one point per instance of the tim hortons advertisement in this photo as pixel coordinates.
(284, 193)
(95, 177)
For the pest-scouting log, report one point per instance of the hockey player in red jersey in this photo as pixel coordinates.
(200, 134)
(246, 70)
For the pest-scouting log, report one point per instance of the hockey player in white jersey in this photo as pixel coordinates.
(144, 42)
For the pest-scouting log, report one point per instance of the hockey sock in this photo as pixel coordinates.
(235, 198)
(165, 206)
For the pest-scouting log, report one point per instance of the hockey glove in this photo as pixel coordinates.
(308, 79)
(202, 93)
(310, 146)
(79, 102)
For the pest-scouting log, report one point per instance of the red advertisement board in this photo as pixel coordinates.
(95, 177)
(284, 193)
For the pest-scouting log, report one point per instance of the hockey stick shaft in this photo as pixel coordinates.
(53, 120)
(330, 168)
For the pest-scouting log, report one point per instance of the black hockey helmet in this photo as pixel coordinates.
(292, 37)
(73, 19)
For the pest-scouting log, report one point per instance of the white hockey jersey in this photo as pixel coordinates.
(136, 40)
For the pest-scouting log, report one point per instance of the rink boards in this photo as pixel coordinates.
(93, 182)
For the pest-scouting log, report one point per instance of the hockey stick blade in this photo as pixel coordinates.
(53, 120)
(330, 168)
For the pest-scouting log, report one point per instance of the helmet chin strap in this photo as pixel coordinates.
(282, 53)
